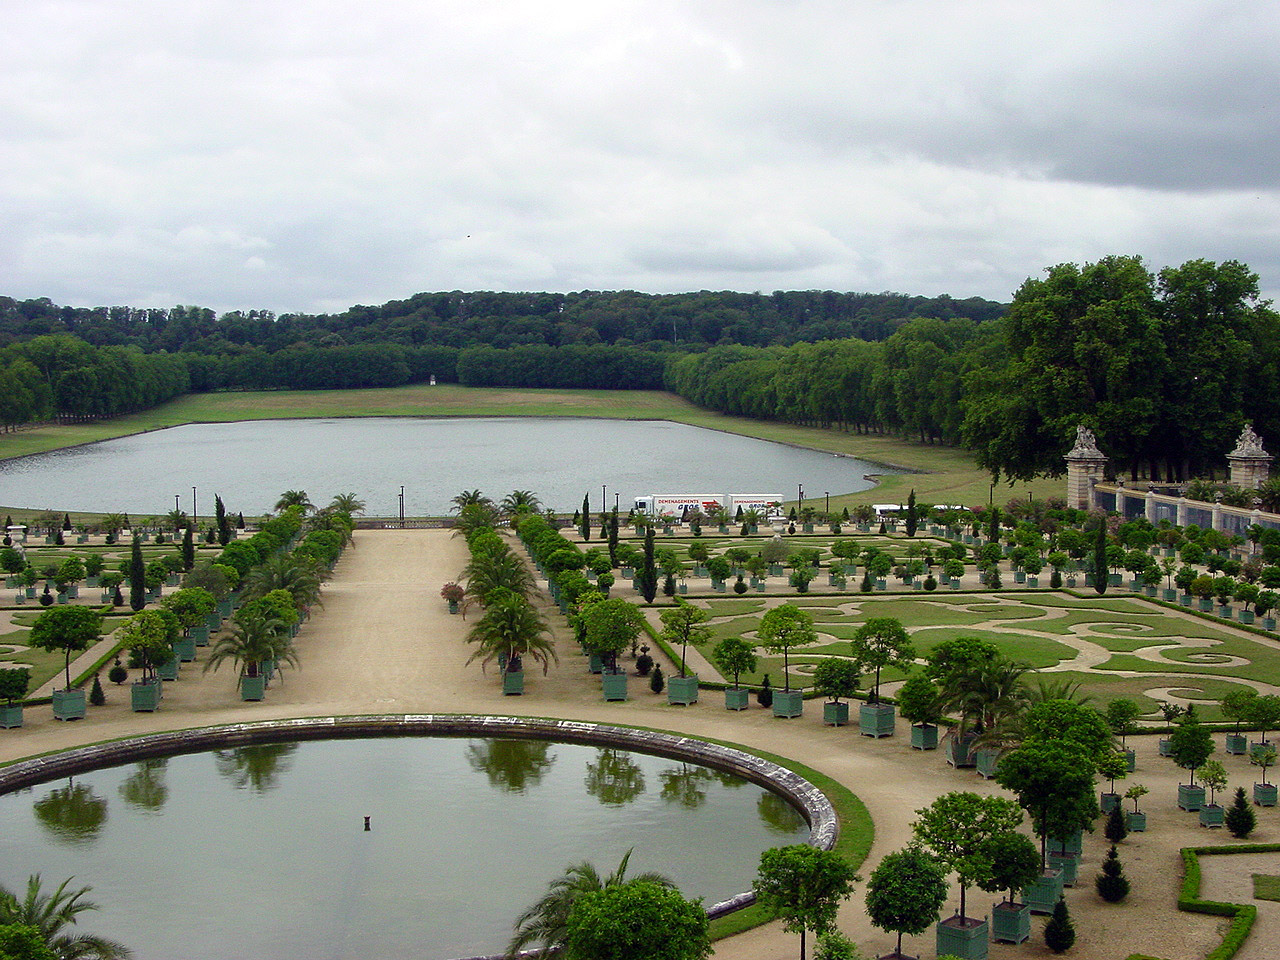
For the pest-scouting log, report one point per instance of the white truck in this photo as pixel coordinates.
(680, 506)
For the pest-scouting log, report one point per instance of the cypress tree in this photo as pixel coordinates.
(657, 683)
(1111, 883)
(96, 696)
(188, 549)
(993, 525)
(1059, 932)
(1100, 558)
(586, 518)
(1116, 829)
(240, 521)
(613, 538)
(223, 524)
(1240, 816)
(137, 577)
(913, 517)
(649, 572)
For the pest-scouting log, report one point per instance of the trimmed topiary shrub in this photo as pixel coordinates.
(1111, 883)
(1059, 932)
(657, 682)
(1240, 818)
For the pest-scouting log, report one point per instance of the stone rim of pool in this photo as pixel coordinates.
(811, 802)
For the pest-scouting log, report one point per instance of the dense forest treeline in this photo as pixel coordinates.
(1166, 367)
(501, 320)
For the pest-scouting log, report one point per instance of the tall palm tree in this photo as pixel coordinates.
(468, 498)
(990, 699)
(294, 498)
(512, 628)
(546, 922)
(519, 501)
(256, 637)
(51, 913)
(502, 569)
(475, 516)
(1057, 688)
(299, 576)
(347, 503)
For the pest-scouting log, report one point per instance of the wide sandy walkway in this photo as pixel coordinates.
(385, 643)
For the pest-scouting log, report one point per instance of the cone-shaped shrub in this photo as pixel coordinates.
(1111, 882)
(1240, 817)
(1059, 933)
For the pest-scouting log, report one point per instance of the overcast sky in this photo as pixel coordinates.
(313, 154)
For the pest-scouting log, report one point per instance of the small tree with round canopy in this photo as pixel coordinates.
(735, 656)
(68, 629)
(1190, 744)
(784, 627)
(905, 892)
(958, 828)
(878, 643)
(1015, 863)
(685, 624)
(1054, 784)
(804, 887)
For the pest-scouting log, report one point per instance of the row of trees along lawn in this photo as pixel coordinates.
(1166, 368)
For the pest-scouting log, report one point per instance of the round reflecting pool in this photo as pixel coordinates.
(260, 849)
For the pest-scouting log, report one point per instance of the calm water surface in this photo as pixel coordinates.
(260, 851)
(251, 463)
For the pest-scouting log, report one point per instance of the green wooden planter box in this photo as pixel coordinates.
(682, 691)
(1019, 577)
(1206, 605)
(959, 751)
(788, 704)
(184, 648)
(1185, 599)
(512, 683)
(1246, 616)
(224, 606)
(775, 570)
(955, 584)
(986, 762)
(1033, 582)
(614, 686)
(268, 669)
(1108, 802)
(63, 598)
(144, 697)
(200, 635)
(1071, 844)
(1264, 794)
(1136, 822)
(168, 671)
(1189, 797)
(877, 720)
(1237, 744)
(835, 713)
(253, 688)
(11, 716)
(595, 663)
(1131, 760)
(1010, 922)
(1212, 816)
(1257, 747)
(214, 622)
(1268, 623)
(965, 938)
(924, 736)
(1068, 864)
(1165, 746)
(1043, 894)
(736, 698)
(68, 704)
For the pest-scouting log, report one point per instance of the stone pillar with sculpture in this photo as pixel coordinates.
(1250, 464)
(1086, 465)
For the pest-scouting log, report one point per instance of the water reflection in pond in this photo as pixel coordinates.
(198, 842)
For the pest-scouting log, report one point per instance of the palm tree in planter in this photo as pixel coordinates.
(299, 575)
(1015, 865)
(836, 678)
(951, 665)
(50, 914)
(905, 893)
(501, 569)
(1190, 745)
(684, 624)
(1135, 820)
(546, 922)
(958, 828)
(68, 629)
(510, 630)
(733, 655)
(14, 682)
(1214, 776)
(920, 705)
(880, 642)
(255, 638)
(1264, 755)
(784, 627)
(1238, 706)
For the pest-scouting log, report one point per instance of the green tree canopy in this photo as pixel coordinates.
(783, 627)
(636, 920)
(905, 892)
(881, 642)
(804, 887)
(68, 629)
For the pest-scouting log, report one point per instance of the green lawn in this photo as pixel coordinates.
(1266, 887)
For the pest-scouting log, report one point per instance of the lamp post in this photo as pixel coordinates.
(402, 506)
(827, 508)
(176, 508)
(604, 499)
(193, 509)
(799, 497)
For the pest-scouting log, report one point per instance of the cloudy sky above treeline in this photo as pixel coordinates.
(305, 156)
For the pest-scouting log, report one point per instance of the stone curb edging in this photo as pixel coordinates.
(824, 826)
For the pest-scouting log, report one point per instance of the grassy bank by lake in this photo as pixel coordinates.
(944, 474)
